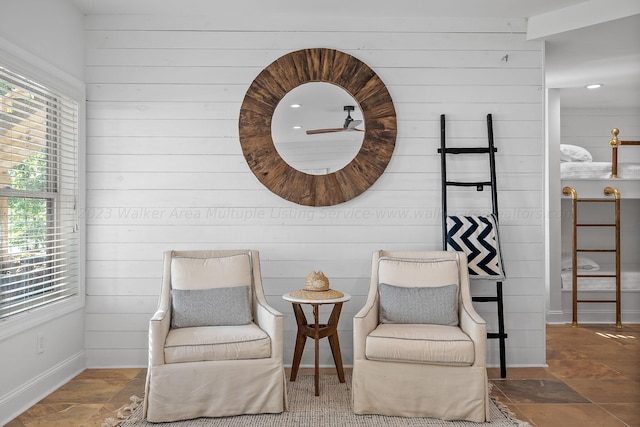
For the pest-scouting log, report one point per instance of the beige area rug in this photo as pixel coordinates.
(331, 409)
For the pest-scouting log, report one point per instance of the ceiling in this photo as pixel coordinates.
(604, 48)
(364, 8)
(607, 53)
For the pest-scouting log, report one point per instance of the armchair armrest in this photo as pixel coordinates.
(159, 326)
(365, 321)
(476, 328)
(272, 322)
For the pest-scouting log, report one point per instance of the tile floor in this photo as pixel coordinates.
(593, 379)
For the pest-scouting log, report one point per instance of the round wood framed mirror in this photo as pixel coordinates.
(317, 65)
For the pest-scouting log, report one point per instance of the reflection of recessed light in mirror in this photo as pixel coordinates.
(594, 85)
(296, 105)
(297, 127)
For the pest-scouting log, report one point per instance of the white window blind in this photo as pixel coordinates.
(38, 195)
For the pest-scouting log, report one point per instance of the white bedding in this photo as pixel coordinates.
(629, 280)
(598, 170)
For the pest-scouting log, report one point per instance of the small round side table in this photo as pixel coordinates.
(316, 330)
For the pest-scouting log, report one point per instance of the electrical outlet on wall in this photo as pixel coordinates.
(40, 343)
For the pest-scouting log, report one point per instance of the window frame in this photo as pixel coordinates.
(32, 67)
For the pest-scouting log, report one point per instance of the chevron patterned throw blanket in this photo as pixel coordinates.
(477, 236)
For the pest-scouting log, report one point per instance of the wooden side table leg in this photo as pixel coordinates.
(316, 336)
(334, 342)
(301, 339)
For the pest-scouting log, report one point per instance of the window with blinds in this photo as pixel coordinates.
(38, 195)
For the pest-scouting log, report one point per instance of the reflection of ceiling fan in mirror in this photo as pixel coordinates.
(349, 124)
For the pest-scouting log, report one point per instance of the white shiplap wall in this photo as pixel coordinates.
(165, 169)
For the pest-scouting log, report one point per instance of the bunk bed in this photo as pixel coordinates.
(584, 279)
(577, 170)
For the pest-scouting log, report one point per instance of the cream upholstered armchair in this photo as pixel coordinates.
(419, 346)
(215, 345)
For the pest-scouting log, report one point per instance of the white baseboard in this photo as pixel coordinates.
(597, 312)
(562, 317)
(16, 401)
(558, 317)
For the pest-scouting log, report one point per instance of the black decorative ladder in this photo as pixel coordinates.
(479, 185)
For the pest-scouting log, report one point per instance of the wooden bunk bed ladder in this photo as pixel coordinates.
(576, 226)
(490, 149)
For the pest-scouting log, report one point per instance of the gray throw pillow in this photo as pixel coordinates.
(210, 307)
(423, 305)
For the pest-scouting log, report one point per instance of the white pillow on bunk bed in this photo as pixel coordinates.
(583, 264)
(574, 153)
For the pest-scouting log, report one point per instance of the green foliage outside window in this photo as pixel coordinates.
(28, 216)
(5, 88)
